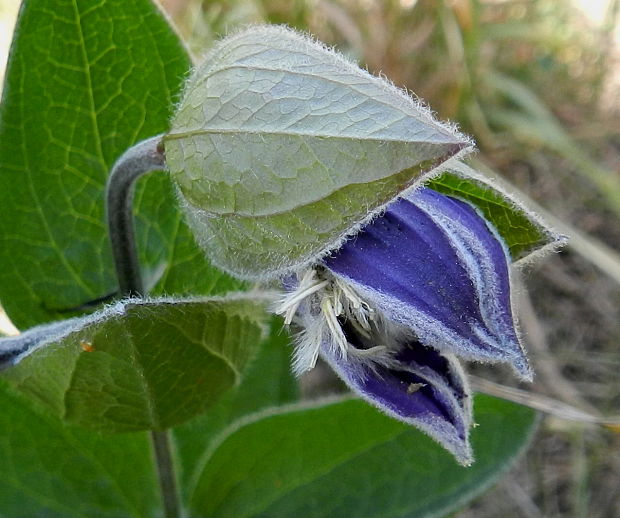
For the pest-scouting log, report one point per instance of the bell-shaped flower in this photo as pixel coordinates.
(393, 307)
(280, 149)
(434, 265)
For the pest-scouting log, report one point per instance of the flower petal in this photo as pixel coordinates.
(421, 387)
(432, 263)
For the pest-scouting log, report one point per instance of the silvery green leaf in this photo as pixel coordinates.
(280, 148)
(138, 365)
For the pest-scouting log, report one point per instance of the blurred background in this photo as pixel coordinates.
(536, 83)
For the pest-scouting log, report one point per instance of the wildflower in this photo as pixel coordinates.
(280, 148)
(391, 310)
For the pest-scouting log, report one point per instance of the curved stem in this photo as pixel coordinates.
(140, 159)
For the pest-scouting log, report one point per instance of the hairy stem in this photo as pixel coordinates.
(140, 159)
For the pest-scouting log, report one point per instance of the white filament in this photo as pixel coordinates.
(325, 300)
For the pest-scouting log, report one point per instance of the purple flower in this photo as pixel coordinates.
(394, 306)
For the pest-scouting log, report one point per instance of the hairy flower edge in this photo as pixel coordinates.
(393, 308)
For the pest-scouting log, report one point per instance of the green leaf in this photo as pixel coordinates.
(281, 147)
(522, 231)
(141, 365)
(346, 459)
(269, 382)
(85, 81)
(50, 470)
(112, 476)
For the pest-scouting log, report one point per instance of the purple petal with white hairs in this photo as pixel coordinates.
(433, 264)
(419, 387)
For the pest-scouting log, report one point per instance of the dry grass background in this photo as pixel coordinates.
(536, 83)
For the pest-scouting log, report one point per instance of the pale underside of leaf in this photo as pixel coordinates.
(252, 247)
(279, 143)
(143, 365)
(265, 173)
(272, 121)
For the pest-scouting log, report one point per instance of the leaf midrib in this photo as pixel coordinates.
(177, 135)
(86, 70)
(89, 82)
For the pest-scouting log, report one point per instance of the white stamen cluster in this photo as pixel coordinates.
(325, 299)
(308, 285)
